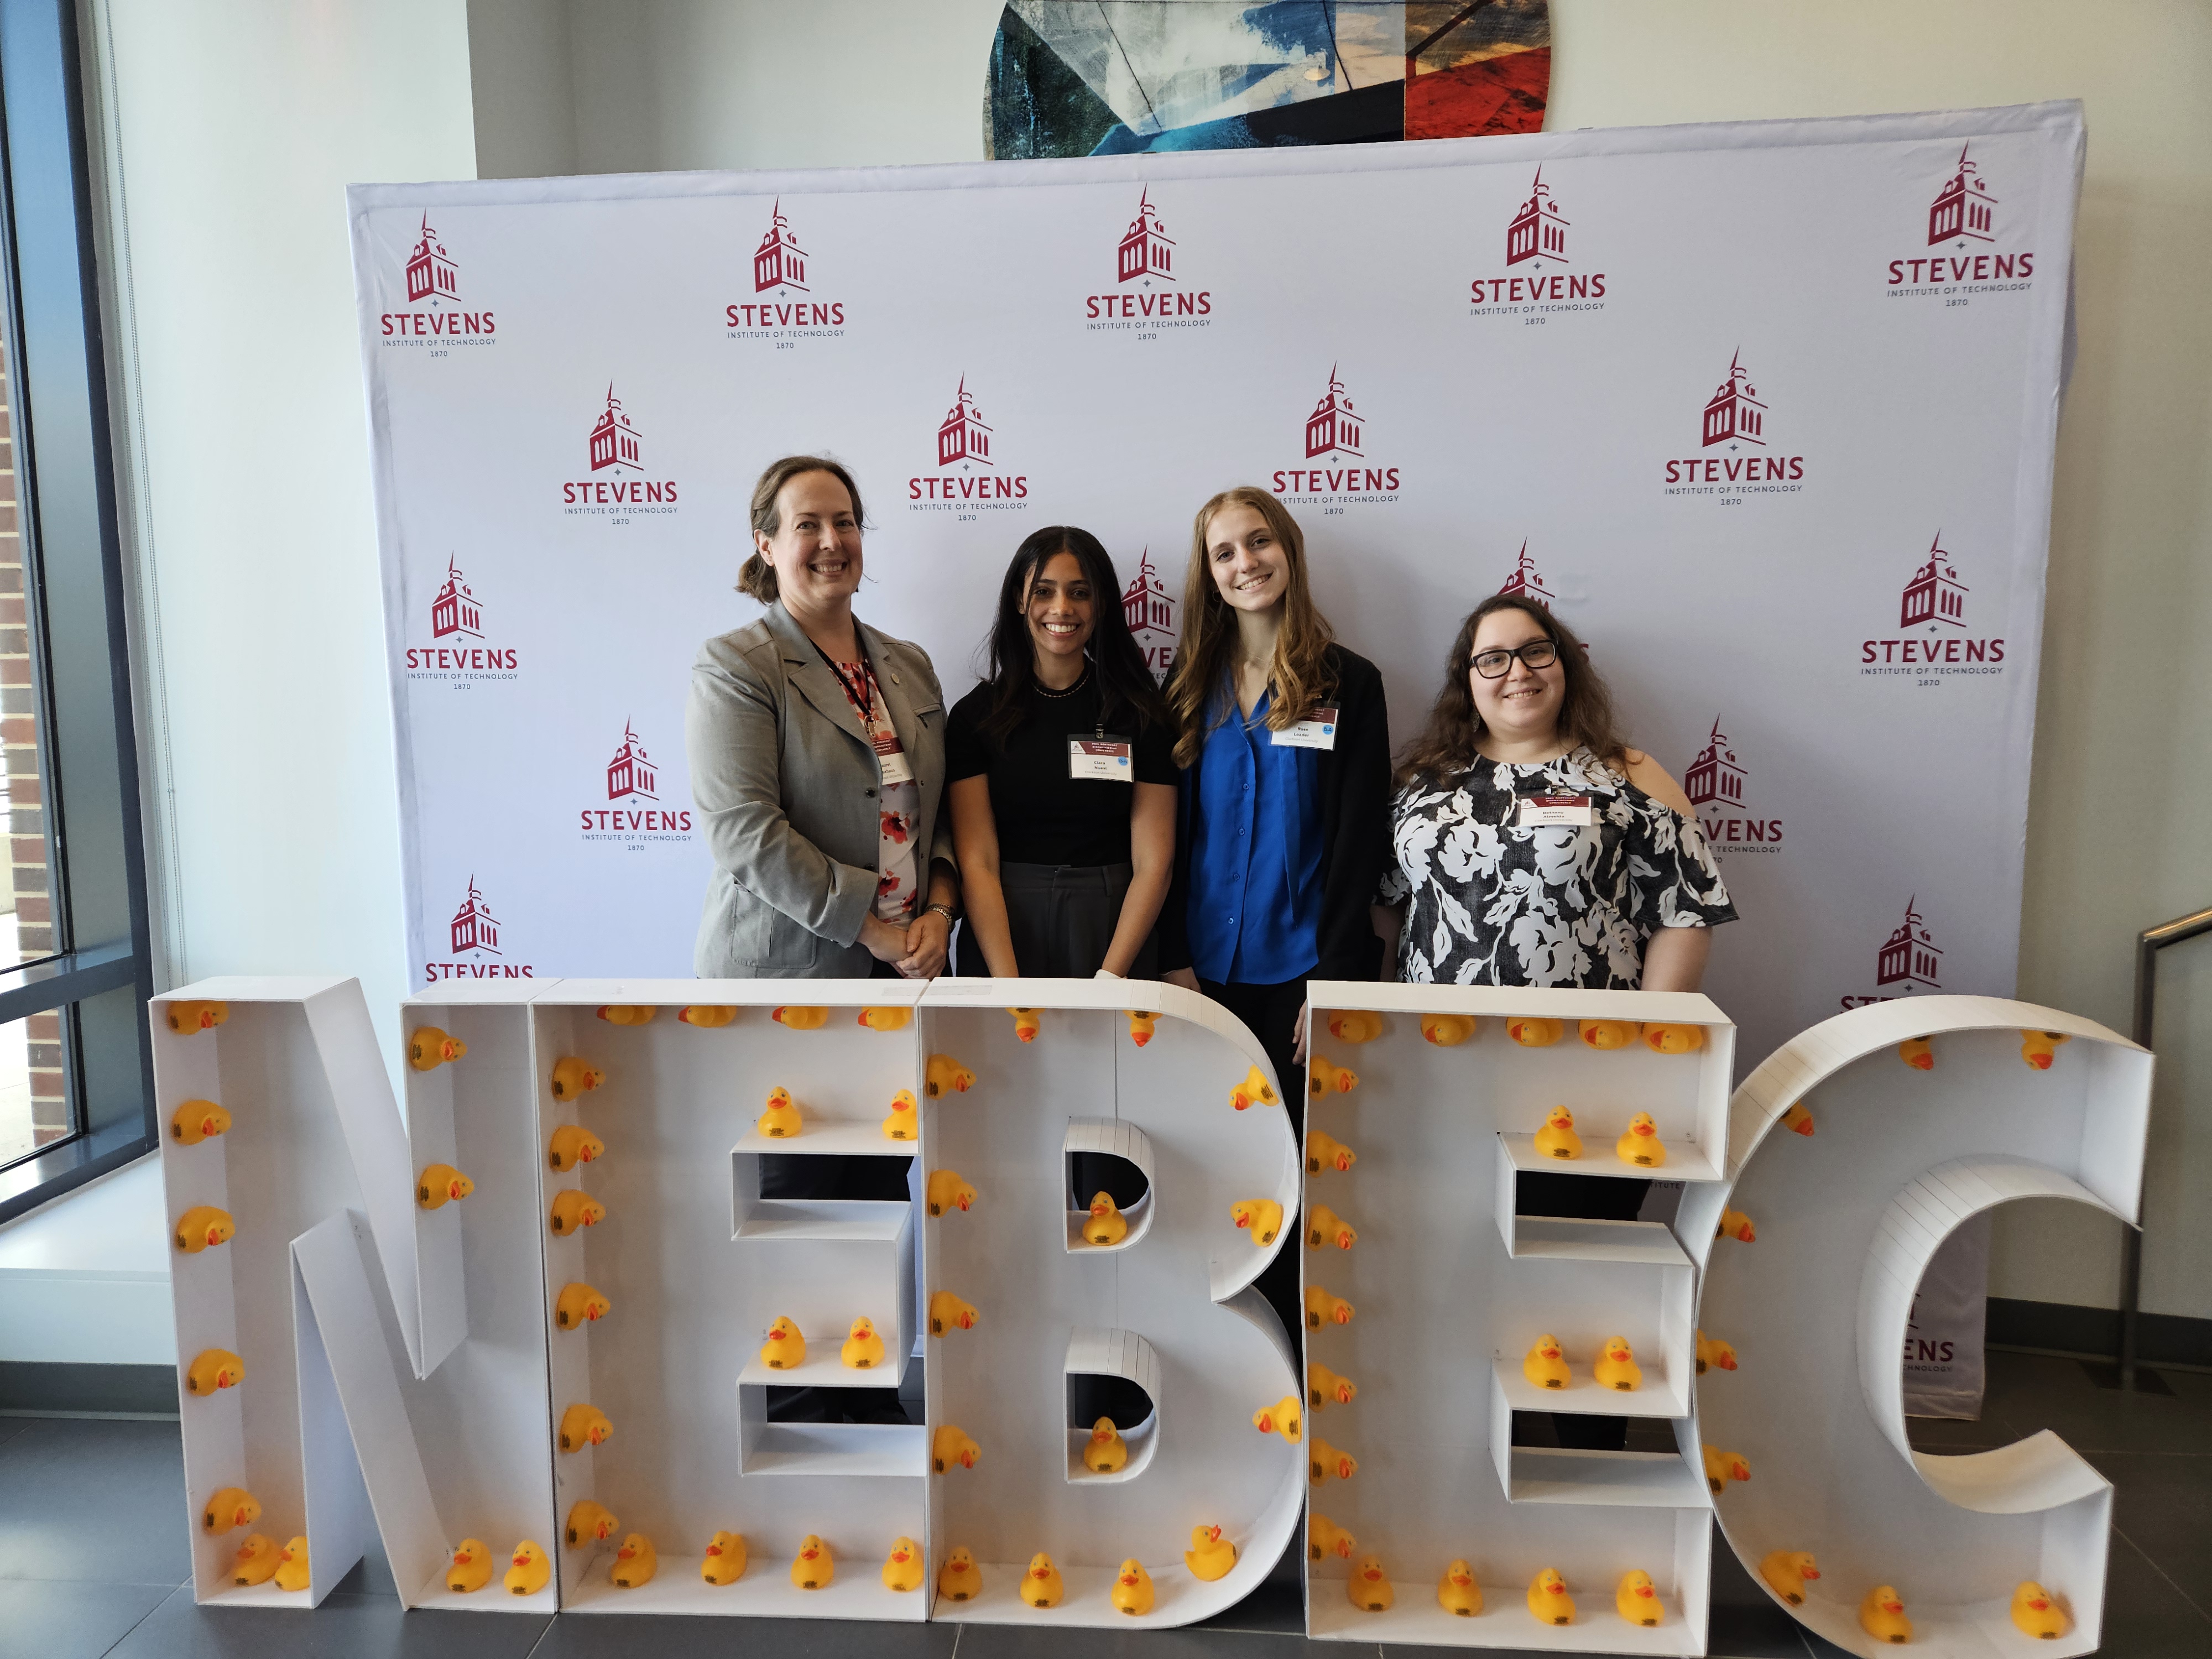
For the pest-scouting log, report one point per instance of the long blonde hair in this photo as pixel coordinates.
(1300, 673)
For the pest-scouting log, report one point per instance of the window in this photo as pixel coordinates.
(75, 1062)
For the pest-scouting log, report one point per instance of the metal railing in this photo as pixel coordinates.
(2148, 944)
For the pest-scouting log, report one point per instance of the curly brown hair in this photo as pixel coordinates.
(1446, 746)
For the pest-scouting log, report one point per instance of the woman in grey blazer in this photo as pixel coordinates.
(816, 749)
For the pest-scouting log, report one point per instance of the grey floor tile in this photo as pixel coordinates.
(651, 1635)
(1277, 1607)
(2029, 1392)
(2146, 1617)
(1764, 1632)
(12, 1426)
(344, 1627)
(1732, 1585)
(2162, 1505)
(70, 1620)
(1188, 1642)
(1947, 1434)
(94, 1499)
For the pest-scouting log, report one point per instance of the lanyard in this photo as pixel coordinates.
(863, 699)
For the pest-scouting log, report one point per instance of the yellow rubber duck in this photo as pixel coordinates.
(1722, 1467)
(786, 1347)
(1881, 1616)
(618, 1013)
(781, 1120)
(186, 1018)
(1322, 1309)
(1799, 1119)
(1735, 1223)
(635, 1563)
(1041, 1585)
(583, 1425)
(863, 1349)
(1557, 1138)
(1546, 1366)
(1027, 1022)
(2040, 1049)
(528, 1570)
(1616, 1368)
(1132, 1588)
(1325, 1152)
(905, 1122)
(812, 1568)
(197, 1121)
(705, 1016)
(1548, 1599)
(1324, 1076)
(1263, 1216)
(953, 1446)
(256, 1561)
(959, 1579)
(903, 1567)
(572, 1209)
(1636, 1600)
(202, 1226)
(2036, 1611)
(1210, 1555)
(947, 1312)
(1785, 1572)
(292, 1568)
(579, 1305)
(1324, 1537)
(946, 1076)
(1141, 1023)
(1369, 1587)
(1105, 1225)
(947, 1191)
(1448, 1030)
(573, 1078)
(231, 1506)
(471, 1567)
(1457, 1592)
(440, 1184)
(572, 1143)
(1712, 1352)
(1531, 1031)
(1674, 1039)
(886, 1019)
(724, 1560)
(1254, 1091)
(1324, 1226)
(794, 1019)
(1324, 1463)
(1106, 1451)
(1608, 1034)
(214, 1369)
(1640, 1144)
(1915, 1052)
(589, 1523)
(1283, 1418)
(1325, 1387)
(1355, 1025)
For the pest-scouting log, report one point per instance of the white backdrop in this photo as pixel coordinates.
(1767, 413)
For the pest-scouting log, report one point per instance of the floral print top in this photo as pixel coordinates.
(1493, 903)
(897, 895)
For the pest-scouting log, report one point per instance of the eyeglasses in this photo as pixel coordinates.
(1537, 654)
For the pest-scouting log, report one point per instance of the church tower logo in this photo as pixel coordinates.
(969, 475)
(1537, 277)
(614, 439)
(473, 928)
(473, 946)
(779, 262)
(431, 273)
(1336, 457)
(962, 435)
(1333, 429)
(1963, 211)
(1537, 232)
(1734, 423)
(1715, 775)
(1150, 293)
(631, 772)
(1931, 618)
(433, 279)
(1960, 255)
(1526, 582)
(633, 819)
(1908, 962)
(455, 610)
(614, 487)
(1733, 412)
(1935, 594)
(1150, 610)
(1146, 250)
(1715, 783)
(784, 306)
(457, 650)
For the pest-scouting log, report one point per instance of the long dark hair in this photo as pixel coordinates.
(1446, 747)
(1125, 687)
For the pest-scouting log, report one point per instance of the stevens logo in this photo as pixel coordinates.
(614, 487)
(632, 815)
(1149, 293)
(1934, 641)
(1526, 582)
(1336, 436)
(458, 651)
(1150, 610)
(1538, 279)
(1735, 424)
(1907, 964)
(1962, 222)
(785, 305)
(434, 282)
(476, 952)
(1715, 784)
(969, 479)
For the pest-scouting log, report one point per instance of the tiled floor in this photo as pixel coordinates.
(92, 1562)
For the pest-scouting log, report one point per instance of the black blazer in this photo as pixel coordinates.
(1355, 814)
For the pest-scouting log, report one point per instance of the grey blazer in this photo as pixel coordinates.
(785, 782)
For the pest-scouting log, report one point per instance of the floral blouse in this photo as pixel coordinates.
(1496, 903)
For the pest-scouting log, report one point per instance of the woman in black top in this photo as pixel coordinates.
(1062, 777)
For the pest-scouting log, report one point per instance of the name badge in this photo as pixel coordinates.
(1316, 731)
(1109, 757)
(892, 761)
(1542, 809)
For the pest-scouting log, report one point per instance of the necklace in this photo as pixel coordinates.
(1044, 690)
